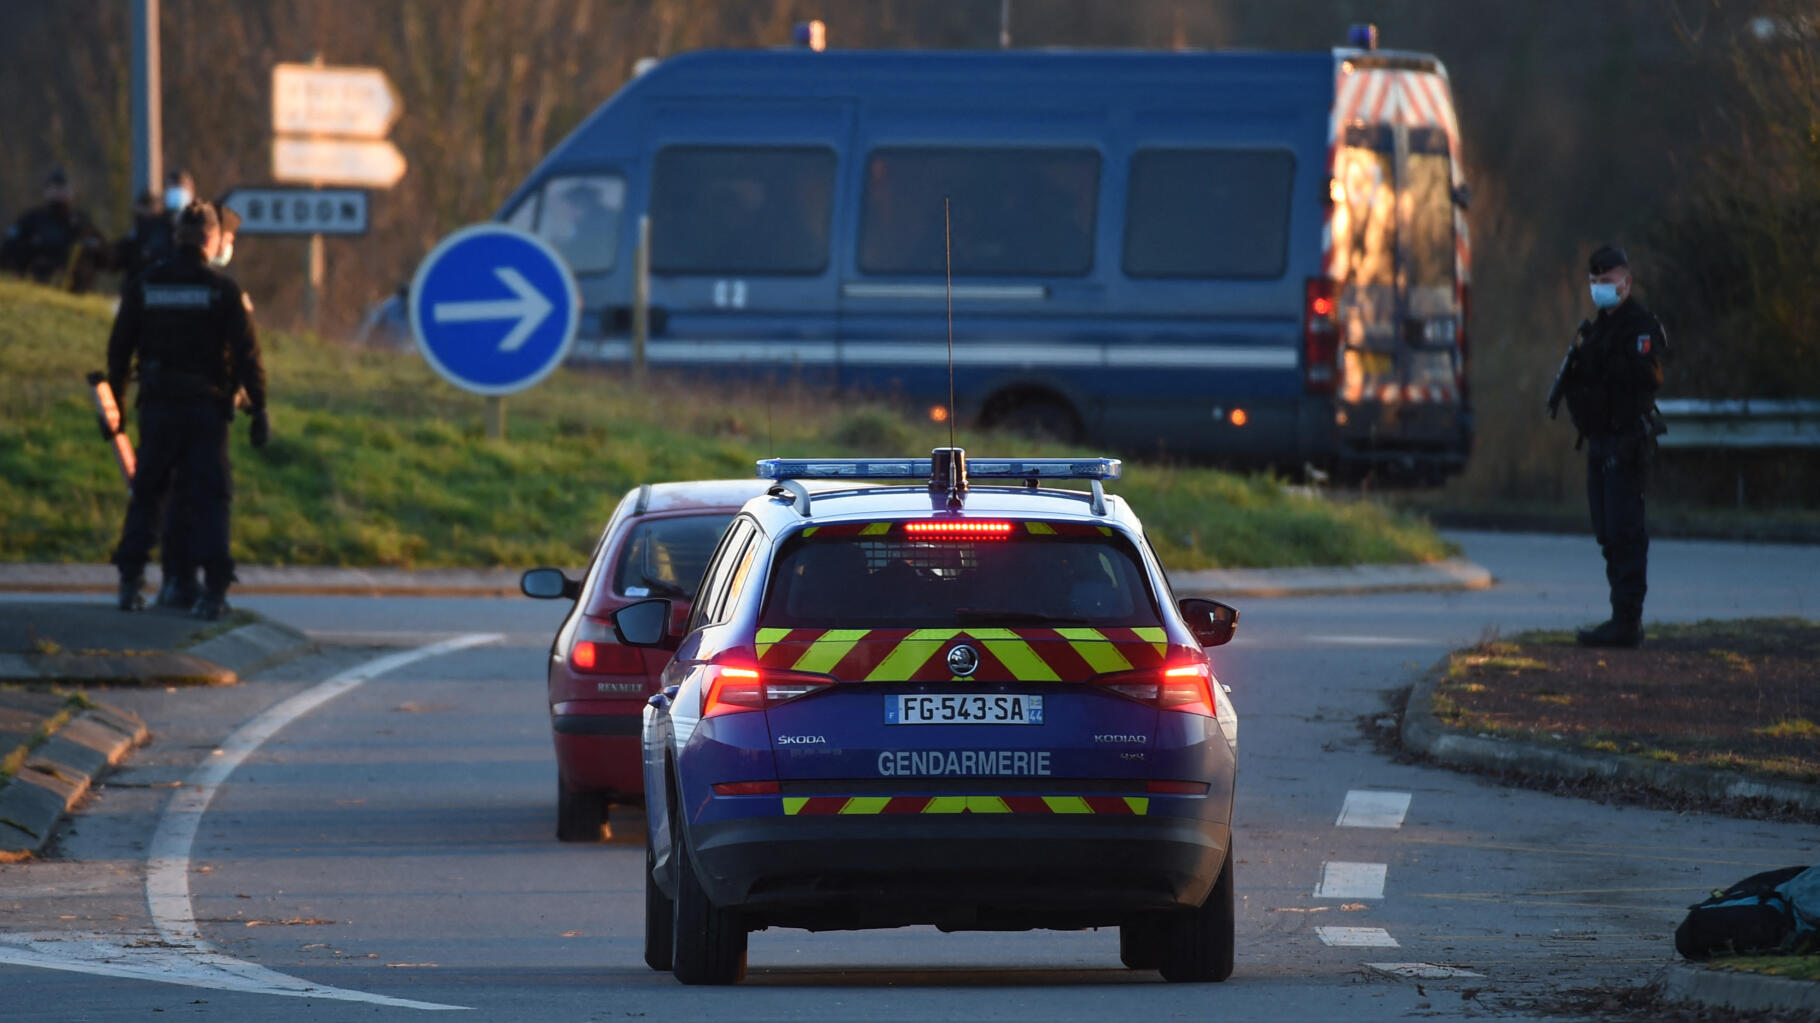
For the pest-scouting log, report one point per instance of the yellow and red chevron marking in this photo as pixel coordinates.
(920, 655)
(812, 806)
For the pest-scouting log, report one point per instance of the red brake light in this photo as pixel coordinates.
(1186, 687)
(1173, 788)
(593, 650)
(957, 530)
(734, 690)
(1320, 337)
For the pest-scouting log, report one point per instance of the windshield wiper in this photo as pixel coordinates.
(967, 617)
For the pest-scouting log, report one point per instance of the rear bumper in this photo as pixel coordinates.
(961, 872)
(594, 755)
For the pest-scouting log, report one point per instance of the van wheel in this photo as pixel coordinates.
(1197, 946)
(660, 919)
(579, 815)
(1038, 419)
(708, 943)
(1141, 944)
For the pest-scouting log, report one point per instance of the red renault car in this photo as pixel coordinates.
(655, 545)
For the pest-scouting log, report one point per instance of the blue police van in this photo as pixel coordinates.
(1256, 258)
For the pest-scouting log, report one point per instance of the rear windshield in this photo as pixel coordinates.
(894, 581)
(665, 557)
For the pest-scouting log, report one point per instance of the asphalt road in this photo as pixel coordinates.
(394, 842)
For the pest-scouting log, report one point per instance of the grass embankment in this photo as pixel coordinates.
(1793, 967)
(1734, 695)
(374, 460)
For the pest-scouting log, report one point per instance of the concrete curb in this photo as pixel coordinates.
(58, 773)
(1736, 989)
(1423, 733)
(1451, 574)
(218, 661)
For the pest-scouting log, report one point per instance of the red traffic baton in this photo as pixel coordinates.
(107, 415)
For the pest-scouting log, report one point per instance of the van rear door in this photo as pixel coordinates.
(744, 204)
(1399, 310)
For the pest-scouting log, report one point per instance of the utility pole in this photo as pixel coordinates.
(148, 100)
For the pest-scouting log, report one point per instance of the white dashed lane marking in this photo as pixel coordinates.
(1356, 937)
(1365, 808)
(1351, 881)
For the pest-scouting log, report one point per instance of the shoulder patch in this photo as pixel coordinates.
(246, 300)
(1643, 344)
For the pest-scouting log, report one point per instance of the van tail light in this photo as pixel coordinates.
(1321, 336)
(1185, 686)
(732, 689)
(594, 651)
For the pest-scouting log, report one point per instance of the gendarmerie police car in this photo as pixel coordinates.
(974, 707)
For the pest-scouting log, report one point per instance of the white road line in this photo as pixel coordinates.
(1356, 937)
(186, 958)
(1423, 971)
(1351, 881)
(1367, 808)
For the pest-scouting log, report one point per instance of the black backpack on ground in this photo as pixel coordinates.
(1753, 915)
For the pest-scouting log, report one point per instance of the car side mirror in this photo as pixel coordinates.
(1212, 622)
(646, 623)
(549, 584)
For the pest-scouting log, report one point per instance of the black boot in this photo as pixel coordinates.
(130, 585)
(1624, 629)
(179, 591)
(210, 607)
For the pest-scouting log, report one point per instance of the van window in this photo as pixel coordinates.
(741, 209)
(579, 215)
(1365, 208)
(1428, 192)
(1208, 213)
(1015, 212)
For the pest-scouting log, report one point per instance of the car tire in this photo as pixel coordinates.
(708, 943)
(660, 916)
(1197, 945)
(1141, 944)
(579, 815)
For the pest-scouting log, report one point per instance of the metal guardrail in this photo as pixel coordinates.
(1747, 424)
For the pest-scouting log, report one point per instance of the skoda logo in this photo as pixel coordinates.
(963, 660)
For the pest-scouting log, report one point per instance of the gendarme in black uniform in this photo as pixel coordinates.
(1610, 392)
(190, 329)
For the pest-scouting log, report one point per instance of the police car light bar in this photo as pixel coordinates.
(924, 468)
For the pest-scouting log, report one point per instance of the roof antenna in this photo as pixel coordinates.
(948, 255)
(948, 466)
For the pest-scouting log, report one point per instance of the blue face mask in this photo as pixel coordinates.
(1604, 296)
(176, 198)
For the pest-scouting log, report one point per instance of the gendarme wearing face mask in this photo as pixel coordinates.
(1609, 382)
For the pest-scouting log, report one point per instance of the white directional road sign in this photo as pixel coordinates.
(337, 162)
(494, 309)
(353, 102)
(300, 210)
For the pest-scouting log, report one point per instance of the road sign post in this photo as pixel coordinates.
(494, 310)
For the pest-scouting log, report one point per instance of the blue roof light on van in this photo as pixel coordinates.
(1364, 36)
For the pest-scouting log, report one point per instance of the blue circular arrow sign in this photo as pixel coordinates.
(494, 309)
